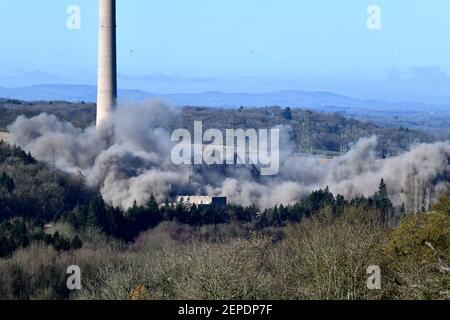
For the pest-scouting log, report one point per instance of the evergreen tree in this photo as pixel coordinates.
(276, 217)
(76, 243)
(296, 212)
(60, 243)
(134, 211)
(19, 234)
(114, 220)
(263, 220)
(7, 183)
(97, 213)
(6, 246)
(382, 201)
(287, 114)
(152, 205)
(382, 189)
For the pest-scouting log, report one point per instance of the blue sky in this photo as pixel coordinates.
(238, 45)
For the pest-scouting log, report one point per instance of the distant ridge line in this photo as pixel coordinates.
(315, 100)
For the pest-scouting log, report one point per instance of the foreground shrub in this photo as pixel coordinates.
(330, 256)
(419, 256)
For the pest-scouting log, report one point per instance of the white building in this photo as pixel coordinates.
(203, 200)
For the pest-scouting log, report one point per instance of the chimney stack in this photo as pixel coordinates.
(107, 64)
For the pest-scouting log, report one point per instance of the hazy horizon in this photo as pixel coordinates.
(256, 46)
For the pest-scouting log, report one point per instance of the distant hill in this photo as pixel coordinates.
(286, 98)
(431, 118)
(63, 92)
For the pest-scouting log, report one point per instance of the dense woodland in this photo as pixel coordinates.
(311, 132)
(328, 133)
(80, 114)
(50, 220)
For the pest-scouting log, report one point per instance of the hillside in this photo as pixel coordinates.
(310, 131)
(80, 114)
(35, 190)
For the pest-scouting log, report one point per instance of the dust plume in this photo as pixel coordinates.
(131, 159)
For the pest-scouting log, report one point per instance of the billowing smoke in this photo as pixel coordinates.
(130, 160)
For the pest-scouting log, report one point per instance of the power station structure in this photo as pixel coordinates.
(202, 201)
(107, 61)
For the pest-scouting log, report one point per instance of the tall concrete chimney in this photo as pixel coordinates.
(107, 64)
